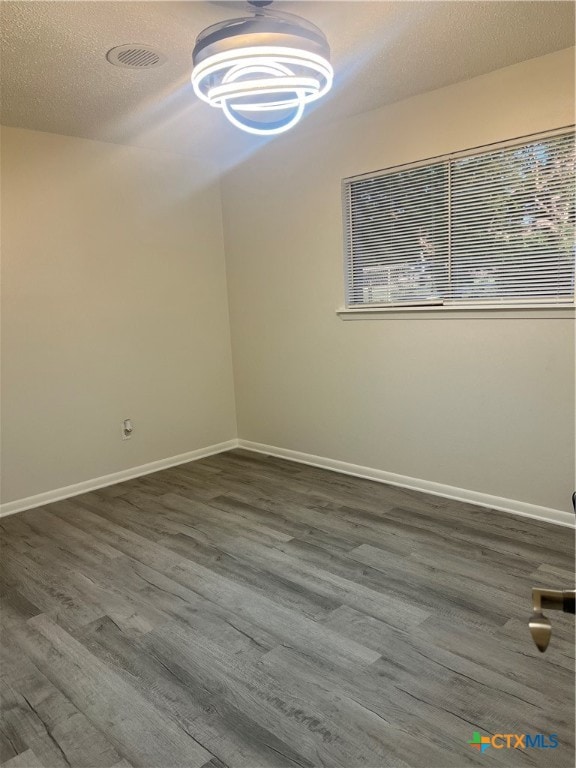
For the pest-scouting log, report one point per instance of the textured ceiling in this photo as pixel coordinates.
(55, 76)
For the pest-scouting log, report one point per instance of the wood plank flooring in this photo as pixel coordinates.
(250, 612)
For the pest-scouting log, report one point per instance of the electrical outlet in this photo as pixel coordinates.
(127, 429)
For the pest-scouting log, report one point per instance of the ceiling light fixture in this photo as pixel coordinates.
(262, 70)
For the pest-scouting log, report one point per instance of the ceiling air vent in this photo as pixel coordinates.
(135, 56)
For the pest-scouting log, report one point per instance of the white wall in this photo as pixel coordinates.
(114, 306)
(484, 404)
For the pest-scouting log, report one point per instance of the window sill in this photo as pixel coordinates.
(453, 312)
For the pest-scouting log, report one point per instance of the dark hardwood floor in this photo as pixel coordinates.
(250, 612)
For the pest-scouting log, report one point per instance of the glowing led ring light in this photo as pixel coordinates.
(274, 82)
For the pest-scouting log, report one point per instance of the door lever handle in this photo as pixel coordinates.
(553, 600)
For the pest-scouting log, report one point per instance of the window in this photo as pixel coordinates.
(494, 227)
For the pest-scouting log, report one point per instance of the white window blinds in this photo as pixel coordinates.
(495, 227)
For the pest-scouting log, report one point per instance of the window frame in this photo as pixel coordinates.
(453, 307)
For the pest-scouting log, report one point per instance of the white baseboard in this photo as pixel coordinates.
(58, 494)
(512, 506)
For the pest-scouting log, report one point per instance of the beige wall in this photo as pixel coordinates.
(483, 404)
(114, 306)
